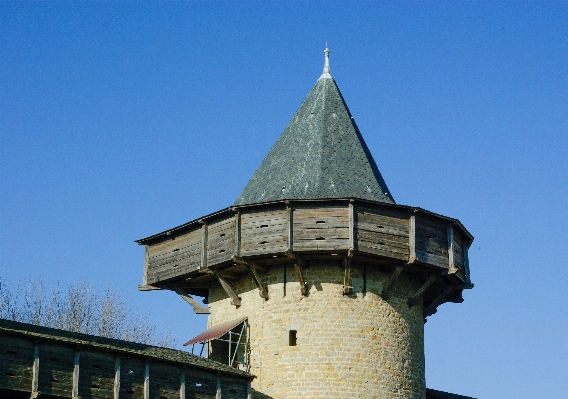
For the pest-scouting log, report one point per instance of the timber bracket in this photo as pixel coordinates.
(431, 308)
(392, 280)
(253, 267)
(197, 308)
(299, 264)
(417, 297)
(227, 287)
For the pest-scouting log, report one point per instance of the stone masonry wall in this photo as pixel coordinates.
(356, 346)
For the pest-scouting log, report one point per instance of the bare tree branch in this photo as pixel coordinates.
(80, 308)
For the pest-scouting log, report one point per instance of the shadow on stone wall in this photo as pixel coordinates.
(259, 395)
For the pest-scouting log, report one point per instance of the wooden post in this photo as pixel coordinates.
(451, 267)
(35, 372)
(116, 377)
(197, 308)
(415, 300)
(412, 237)
(391, 282)
(147, 380)
(75, 391)
(249, 393)
(347, 276)
(465, 247)
(218, 395)
(238, 233)
(203, 245)
(182, 384)
(146, 264)
(351, 226)
(290, 225)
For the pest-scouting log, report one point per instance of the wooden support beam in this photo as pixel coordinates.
(289, 225)
(148, 288)
(182, 384)
(465, 247)
(147, 380)
(298, 264)
(146, 265)
(431, 308)
(394, 276)
(228, 289)
(417, 297)
(252, 268)
(197, 308)
(451, 267)
(204, 237)
(347, 276)
(351, 225)
(75, 389)
(412, 237)
(35, 372)
(231, 276)
(249, 390)
(218, 394)
(116, 377)
(238, 233)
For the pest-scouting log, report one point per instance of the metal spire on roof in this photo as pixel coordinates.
(326, 72)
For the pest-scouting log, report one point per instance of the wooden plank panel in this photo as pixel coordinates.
(324, 245)
(56, 370)
(432, 259)
(376, 236)
(383, 233)
(321, 228)
(131, 378)
(431, 241)
(321, 234)
(263, 232)
(221, 241)
(383, 244)
(200, 385)
(234, 388)
(164, 381)
(96, 378)
(386, 224)
(175, 257)
(458, 250)
(16, 361)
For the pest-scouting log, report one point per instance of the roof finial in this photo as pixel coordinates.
(326, 71)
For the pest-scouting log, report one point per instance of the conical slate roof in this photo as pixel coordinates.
(321, 154)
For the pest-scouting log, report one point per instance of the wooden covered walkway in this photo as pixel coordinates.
(41, 362)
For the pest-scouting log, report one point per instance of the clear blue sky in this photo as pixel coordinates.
(120, 120)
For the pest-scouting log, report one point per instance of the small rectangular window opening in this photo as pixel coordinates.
(292, 341)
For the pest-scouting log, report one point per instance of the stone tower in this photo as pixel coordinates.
(330, 279)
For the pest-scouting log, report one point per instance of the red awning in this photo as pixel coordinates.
(215, 332)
